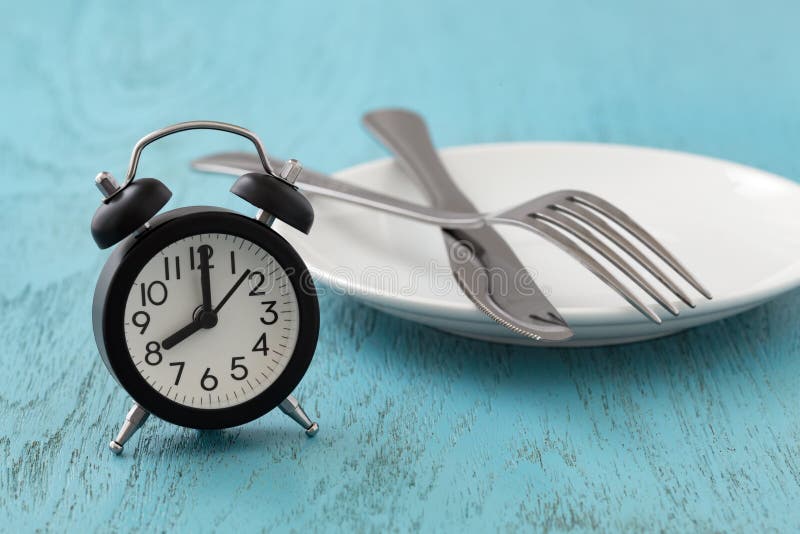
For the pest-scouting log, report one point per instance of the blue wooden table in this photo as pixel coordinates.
(420, 430)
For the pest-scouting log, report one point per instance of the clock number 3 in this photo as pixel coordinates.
(271, 316)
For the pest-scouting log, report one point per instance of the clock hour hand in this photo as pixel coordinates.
(181, 334)
(232, 290)
(205, 276)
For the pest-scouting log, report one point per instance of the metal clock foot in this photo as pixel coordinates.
(133, 422)
(292, 408)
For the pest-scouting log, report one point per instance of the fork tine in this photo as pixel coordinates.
(576, 229)
(570, 247)
(587, 216)
(618, 216)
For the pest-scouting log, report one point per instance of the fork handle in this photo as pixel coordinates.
(406, 135)
(238, 163)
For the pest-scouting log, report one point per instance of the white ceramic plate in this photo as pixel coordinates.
(736, 228)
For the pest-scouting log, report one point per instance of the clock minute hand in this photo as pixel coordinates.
(205, 276)
(232, 291)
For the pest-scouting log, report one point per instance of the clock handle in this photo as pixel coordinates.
(110, 190)
(127, 207)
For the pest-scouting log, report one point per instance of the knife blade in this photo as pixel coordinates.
(477, 256)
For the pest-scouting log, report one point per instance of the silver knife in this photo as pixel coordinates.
(514, 300)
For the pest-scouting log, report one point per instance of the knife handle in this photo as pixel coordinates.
(406, 135)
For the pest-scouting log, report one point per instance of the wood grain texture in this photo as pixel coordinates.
(420, 430)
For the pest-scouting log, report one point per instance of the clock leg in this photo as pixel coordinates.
(292, 408)
(133, 422)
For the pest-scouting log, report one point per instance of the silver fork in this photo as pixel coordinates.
(562, 216)
(566, 218)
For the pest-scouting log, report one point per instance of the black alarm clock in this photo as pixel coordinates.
(206, 317)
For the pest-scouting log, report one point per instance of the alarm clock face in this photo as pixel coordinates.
(214, 312)
(223, 355)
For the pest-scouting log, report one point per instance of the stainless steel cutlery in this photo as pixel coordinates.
(576, 221)
(520, 306)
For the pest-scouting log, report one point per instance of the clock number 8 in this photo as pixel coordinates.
(153, 356)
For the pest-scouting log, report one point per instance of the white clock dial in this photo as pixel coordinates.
(246, 338)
